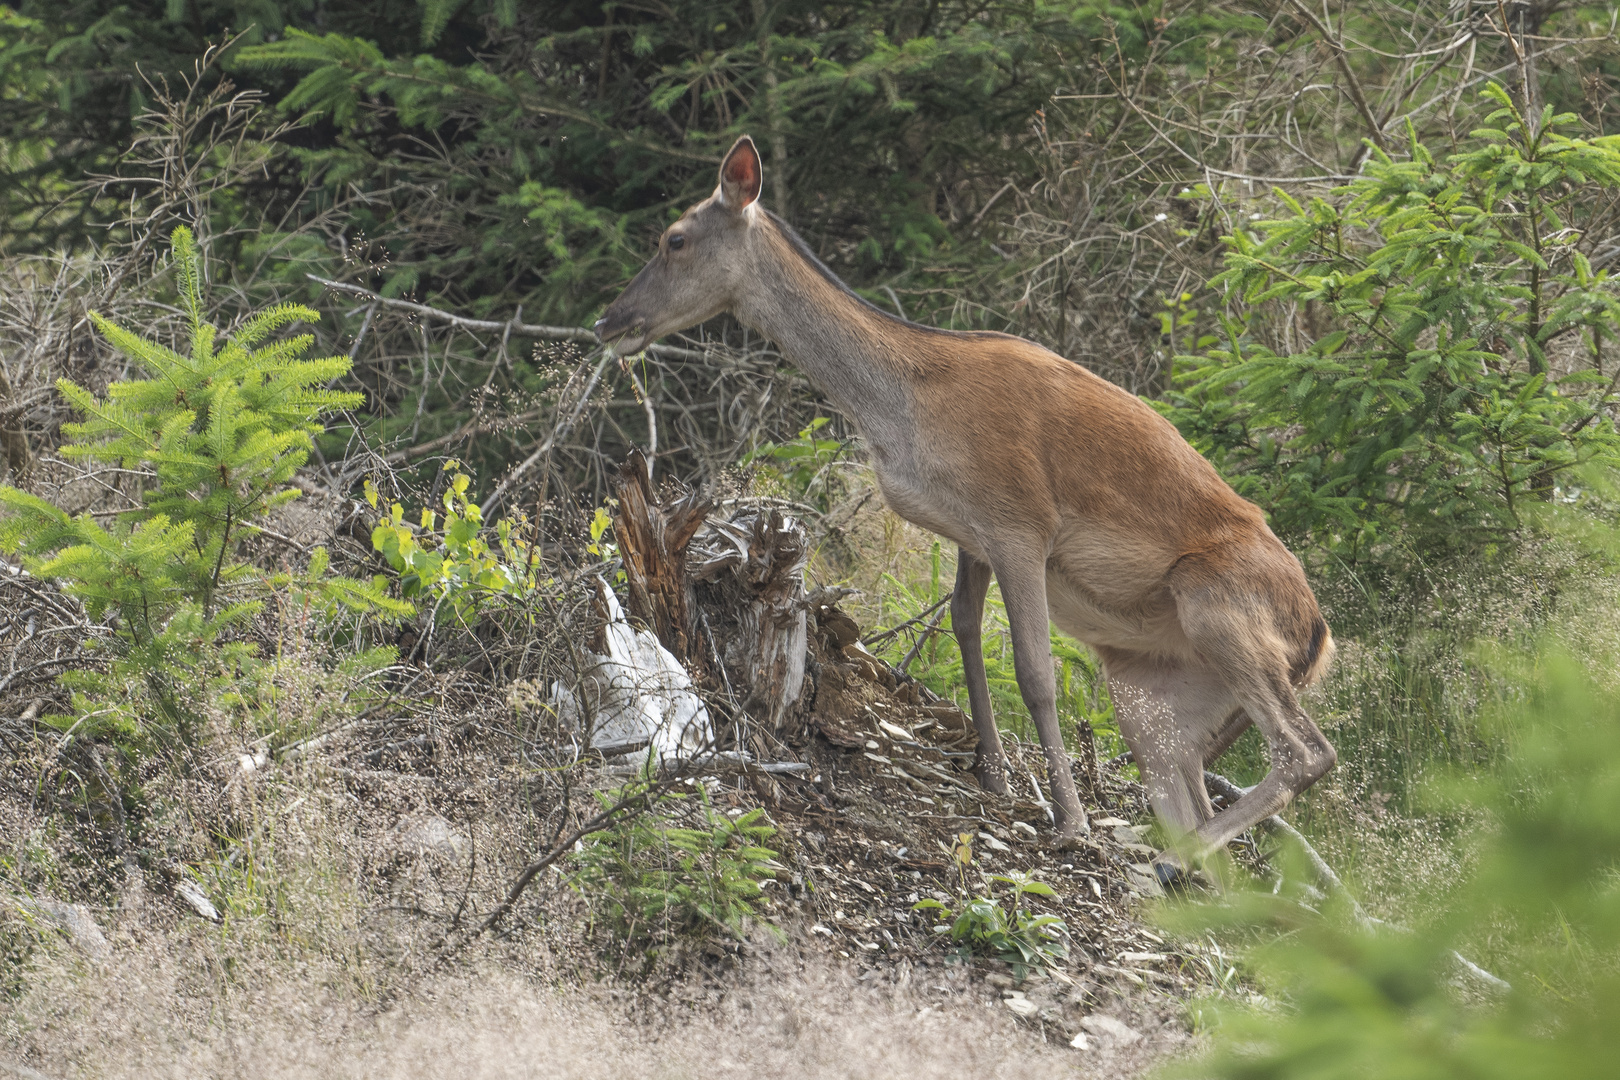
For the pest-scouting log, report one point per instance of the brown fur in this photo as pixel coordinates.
(1087, 505)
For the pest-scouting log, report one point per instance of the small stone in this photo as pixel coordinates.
(1110, 1030)
(1022, 1007)
(430, 835)
(1140, 877)
(193, 896)
(999, 981)
(895, 731)
(1079, 1042)
(74, 920)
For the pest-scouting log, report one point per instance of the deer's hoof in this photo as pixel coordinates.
(991, 774)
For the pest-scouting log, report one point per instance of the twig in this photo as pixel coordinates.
(885, 635)
(1041, 800)
(1352, 84)
(512, 326)
(7, 681)
(561, 431)
(465, 431)
(988, 203)
(604, 820)
(922, 638)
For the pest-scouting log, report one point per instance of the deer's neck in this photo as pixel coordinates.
(855, 354)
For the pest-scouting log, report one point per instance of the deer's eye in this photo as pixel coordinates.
(677, 242)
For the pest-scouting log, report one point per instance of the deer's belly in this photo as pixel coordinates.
(1150, 628)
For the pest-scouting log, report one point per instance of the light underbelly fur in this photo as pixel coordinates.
(1078, 614)
(1072, 608)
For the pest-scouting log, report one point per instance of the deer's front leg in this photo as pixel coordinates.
(1023, 589)
(967, 619)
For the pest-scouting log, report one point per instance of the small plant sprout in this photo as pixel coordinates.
(652, 880)
(456, 559)
(1021, 938)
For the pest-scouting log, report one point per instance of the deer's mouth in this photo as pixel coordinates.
(622, 338)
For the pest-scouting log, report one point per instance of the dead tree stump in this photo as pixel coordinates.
(762, 604)
(753, 620)
(653, 538)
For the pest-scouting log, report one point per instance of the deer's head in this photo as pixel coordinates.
(701, 265)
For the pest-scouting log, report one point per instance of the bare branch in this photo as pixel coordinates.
(511, 326)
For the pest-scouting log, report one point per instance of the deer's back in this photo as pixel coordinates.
(1020, 441)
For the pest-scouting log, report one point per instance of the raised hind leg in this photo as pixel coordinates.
(1253, 663)
(1175, 715)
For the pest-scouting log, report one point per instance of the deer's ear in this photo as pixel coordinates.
(740, 175)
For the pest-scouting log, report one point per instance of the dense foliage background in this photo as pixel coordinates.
(999, 165)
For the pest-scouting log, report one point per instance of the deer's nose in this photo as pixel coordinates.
(598, 328)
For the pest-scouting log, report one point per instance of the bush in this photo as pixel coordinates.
(1419, 366)
(213, 437)
(1542, 910)
(1020, 937)
(651, 879)
(452, 560)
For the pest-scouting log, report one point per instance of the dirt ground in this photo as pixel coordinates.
(355, 858)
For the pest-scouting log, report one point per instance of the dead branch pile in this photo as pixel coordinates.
(43, 632)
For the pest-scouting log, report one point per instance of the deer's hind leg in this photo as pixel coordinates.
(1175, 715)
(1243, 643)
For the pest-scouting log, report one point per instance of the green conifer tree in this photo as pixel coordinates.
(219, 432)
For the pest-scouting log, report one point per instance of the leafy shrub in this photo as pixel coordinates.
(1021, 938)
(453, 561)
(805, 468)
(214, 435)
(652, 879)
(1413, 398)
(1542, 910)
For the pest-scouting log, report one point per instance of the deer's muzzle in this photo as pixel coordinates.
(624, 336)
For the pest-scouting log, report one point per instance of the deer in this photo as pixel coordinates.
(1087, 506)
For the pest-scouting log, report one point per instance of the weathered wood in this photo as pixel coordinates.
(756, 562)
(755, 598)
(774, 624)
(653, 539)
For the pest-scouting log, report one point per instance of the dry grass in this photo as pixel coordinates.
(154, 1014)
